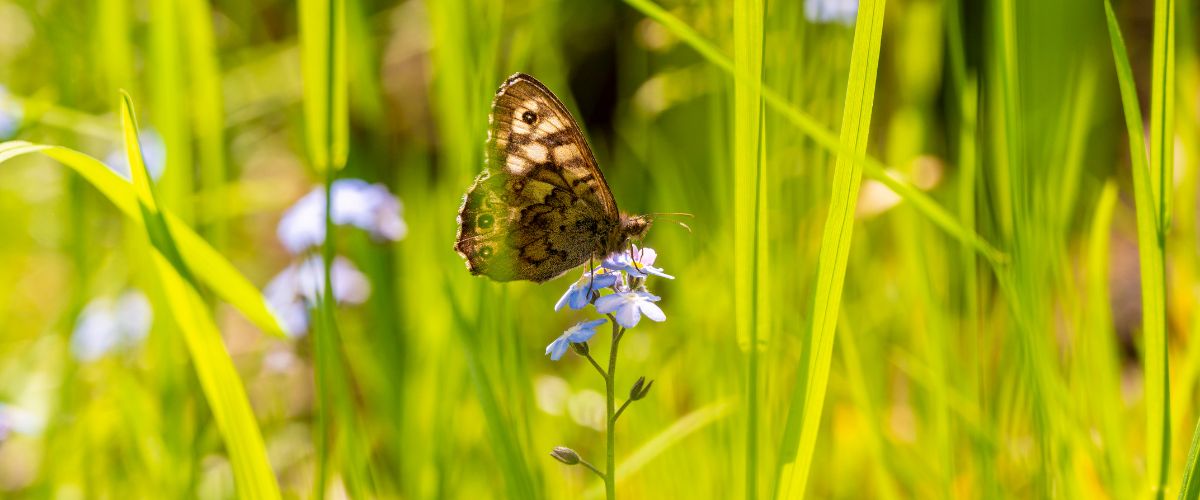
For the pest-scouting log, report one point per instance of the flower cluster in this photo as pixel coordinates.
(616, 287)
(370, 207)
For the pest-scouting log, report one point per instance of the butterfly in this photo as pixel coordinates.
(541, 206)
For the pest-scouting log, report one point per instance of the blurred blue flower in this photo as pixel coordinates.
(154, 152)
(577, 296)
(355, 202)
(14, 420)
(577, 334)
(11, 114)
(296, 289)
(628, 307)
(107, 324)
(831, 11)
(638, 263)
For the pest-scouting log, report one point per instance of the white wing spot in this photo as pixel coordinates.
(566, 153)
(516, 165)
(549, 126)
(535, 151)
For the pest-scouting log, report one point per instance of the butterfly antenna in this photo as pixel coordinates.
(677, 214)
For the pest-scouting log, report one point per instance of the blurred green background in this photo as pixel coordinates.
(954, 373)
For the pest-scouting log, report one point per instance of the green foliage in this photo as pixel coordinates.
(948, 254)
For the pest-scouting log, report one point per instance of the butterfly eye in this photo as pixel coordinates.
(485, 221)
(529, 117)
(485, 252)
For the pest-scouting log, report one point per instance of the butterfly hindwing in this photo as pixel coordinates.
(542, 206)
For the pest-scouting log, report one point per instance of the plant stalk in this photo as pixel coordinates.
(610, 381)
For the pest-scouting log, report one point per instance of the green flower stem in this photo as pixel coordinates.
(610, 380)
(596, 365)
(592, 468)
(621, 409)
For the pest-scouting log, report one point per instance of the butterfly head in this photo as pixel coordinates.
(635, 227)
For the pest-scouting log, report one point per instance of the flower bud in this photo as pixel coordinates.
(640, 389)
(581, 348)
(565, 455)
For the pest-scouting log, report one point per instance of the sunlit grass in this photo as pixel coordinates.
(994, 312)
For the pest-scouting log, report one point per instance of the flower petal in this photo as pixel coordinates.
(652, 311)
(593, 324)
(647, 256)
(579, 299)
(657, 271)
(609, 303)
(557, 348)
(565, 299)
(628, 315)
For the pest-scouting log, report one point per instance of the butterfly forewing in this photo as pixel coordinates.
(541, 207)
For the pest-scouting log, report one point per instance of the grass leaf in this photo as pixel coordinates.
(1151, 251)
(218, 378)
(808, 398)
(322, 53)
(749, 218)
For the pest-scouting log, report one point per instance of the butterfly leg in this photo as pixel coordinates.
(633, 257)
(592, 271)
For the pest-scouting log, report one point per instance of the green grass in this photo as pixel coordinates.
(796, 455)
(1150, 196)
(1016, 318)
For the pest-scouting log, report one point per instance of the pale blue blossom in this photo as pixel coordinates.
(579, 294)
(154, 153)
(628, 307)
(297, 288)
(355, 202)
(107, 324)
(11, 114)
(15, 420)
(580, 333)
(636, 262)
(831, 11)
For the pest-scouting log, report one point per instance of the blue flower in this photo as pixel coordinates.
(831, 11)
(11, 114)
(355, 202)
(638, 263)
(630, 306)
(577, 334)
(107, 324)
(577, 295)
(298, 287)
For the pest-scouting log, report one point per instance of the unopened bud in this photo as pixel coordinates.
(581, 348)
(640, 389)
(565, 455)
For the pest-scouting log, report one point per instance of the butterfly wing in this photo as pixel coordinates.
(541, 207)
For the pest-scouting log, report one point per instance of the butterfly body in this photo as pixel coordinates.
(541, 207)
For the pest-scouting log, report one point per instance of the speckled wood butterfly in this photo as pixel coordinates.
(541, 206)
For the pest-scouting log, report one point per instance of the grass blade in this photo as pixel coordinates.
(808, 398)
(218, 378)
(207, 104)
(322, 53)
(1150, 243)
(219, 274)
(748, 215)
